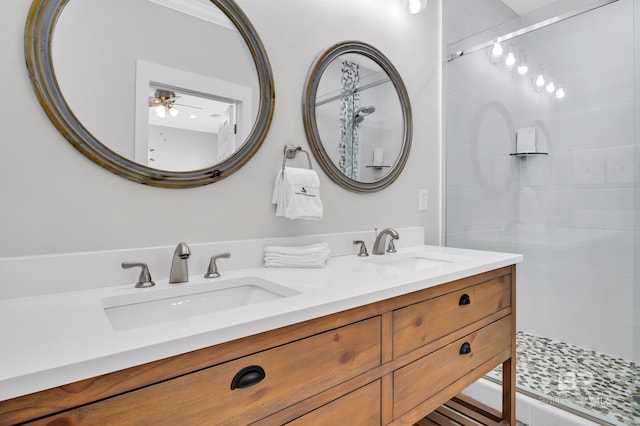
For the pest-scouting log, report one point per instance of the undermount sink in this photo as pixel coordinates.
(188, 300)
(415, 261)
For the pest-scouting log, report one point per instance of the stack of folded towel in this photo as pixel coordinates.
(297, 194)
(310, 256)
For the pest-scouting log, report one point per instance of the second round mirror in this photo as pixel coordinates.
(357, 117)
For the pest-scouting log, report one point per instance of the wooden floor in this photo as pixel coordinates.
(462, 411)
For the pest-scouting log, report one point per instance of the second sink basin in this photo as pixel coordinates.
(187, 300)
(415, 261)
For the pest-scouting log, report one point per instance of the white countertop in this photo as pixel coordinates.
(55, 339)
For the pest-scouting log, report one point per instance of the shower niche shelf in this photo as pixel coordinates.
(377, 167)
(527, 154)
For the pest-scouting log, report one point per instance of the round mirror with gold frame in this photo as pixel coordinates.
(168, 93)
(357, 117)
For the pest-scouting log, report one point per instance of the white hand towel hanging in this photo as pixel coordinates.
(302, 194)
(297, 194)
(278, 194)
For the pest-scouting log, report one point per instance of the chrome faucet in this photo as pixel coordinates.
(378, 246)
(179, 270)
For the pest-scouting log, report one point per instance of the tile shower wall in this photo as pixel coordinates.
(570, 213)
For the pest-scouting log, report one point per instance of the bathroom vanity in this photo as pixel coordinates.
(394, 359)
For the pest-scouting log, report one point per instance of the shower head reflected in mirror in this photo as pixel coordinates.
(362, 112)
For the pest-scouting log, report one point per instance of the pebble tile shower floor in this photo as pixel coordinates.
(564, 375)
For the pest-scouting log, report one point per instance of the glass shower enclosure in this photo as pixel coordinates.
(541, 159)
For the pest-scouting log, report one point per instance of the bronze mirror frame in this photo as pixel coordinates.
(311, 127)
(39, 29)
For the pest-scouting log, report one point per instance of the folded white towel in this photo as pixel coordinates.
(295, 259)
(278, 264)
(309, 256)
(297, 194)
(286, 257)
(298, 250)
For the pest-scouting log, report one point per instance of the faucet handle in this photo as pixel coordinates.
(363, 248)
(144, 280)
(391, 248)
(212, 270)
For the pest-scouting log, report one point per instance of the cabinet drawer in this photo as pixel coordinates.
(425, 377)
(360, 407)
(293, 372)
(424, 322)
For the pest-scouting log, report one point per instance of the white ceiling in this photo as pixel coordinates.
(522, 7)
(202, 9)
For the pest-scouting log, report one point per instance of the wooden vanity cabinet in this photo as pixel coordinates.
(292, 372)
(389, 362)
(360, 407)
(412, 386)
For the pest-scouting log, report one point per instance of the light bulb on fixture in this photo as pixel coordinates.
(560, 93)
(162, 101)
(539, 82)
(415, 6)
(160, 111)
(522, 68)
(495, 53)
(551, 87)
(510, 60)
(496, 50)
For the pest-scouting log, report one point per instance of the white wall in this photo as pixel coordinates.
(571, 213)
(181, 149)
(55, 200)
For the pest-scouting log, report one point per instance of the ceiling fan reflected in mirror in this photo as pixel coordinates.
(187, 109)
(163, 101)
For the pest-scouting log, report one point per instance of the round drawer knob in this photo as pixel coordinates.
(465, 349)
(248, 376)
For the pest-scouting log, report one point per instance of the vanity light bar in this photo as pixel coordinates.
(545, 23)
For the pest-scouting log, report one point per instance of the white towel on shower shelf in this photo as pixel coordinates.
(378, 156)
(296, 194)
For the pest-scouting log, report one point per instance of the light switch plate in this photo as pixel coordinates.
(424, 200)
